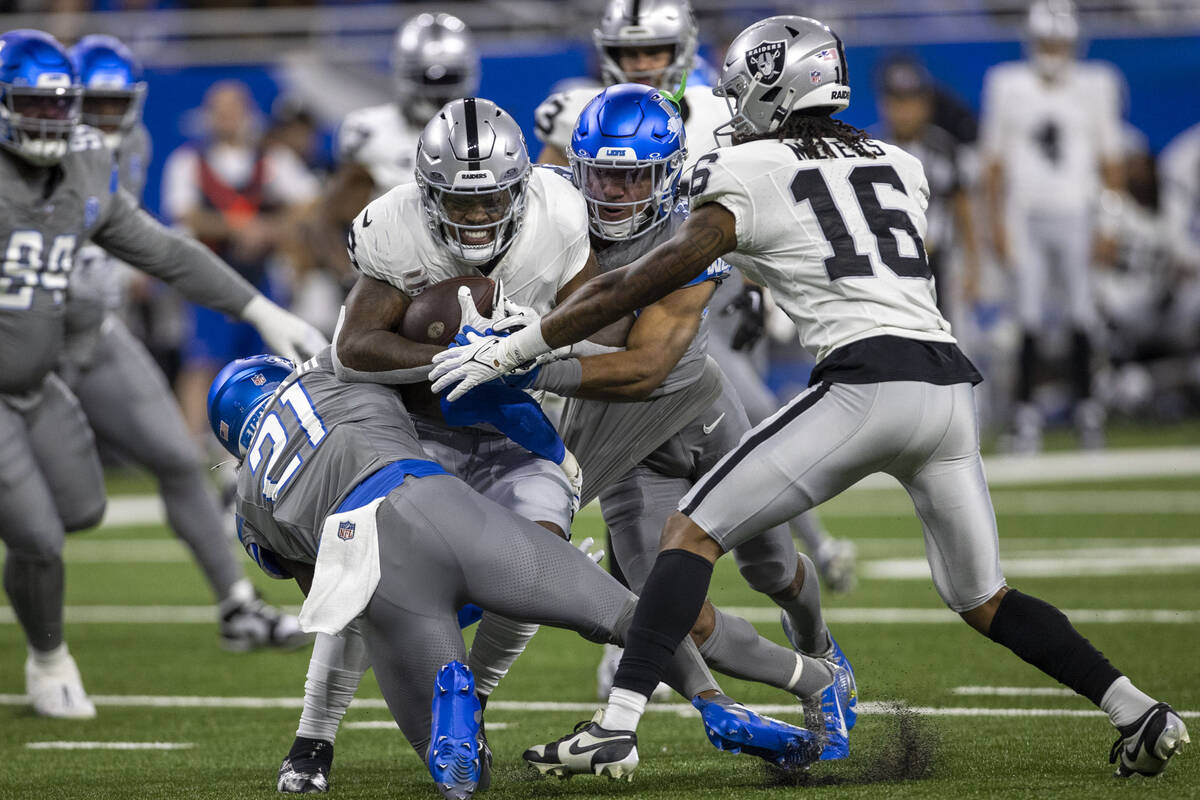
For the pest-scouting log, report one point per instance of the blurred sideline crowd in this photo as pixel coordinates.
(1069, 265)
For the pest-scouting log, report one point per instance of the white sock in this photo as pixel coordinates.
(49, 658)
(241, 592)
(1124, 702)
(336, 668)
(624, 710)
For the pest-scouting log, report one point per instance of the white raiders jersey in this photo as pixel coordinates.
(381, 140)
(838, 241)
(390, 241)
(1051, 137)
(702, 112)
(1179, 168)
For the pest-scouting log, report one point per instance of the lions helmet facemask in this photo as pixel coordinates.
(627, 153)
(238, 396)
(113, 89)
(1053, 30)
(472, 168)
(434, 60)
(39, 99)
(780, 65)
(646, 23)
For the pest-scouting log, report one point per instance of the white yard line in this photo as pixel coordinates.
(1012, 691)
(390, 725)
(112, 615)
(69, 745)
(685, 709)
(1132, 560)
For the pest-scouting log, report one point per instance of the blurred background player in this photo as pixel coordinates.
(60, 191)
(651, 42)
(906, 105)
(1050, 140)
(233, 193)
(116, 379)
(434, 60)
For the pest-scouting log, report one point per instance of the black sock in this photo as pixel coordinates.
(1043, 636)
(1081, 364)
(1027, 368)
(666, 611)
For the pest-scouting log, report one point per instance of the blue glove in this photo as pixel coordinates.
(510, 411)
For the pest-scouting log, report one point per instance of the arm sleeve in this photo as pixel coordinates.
(713, 181)
(554, 121)
(351, 136)
(135, 237)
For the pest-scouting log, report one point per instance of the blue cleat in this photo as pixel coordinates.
(835, 655)
(835, 707)
(736, 729)
(456, 758)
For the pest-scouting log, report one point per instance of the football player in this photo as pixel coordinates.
(1051, 144)
(650, 418)
(891, 391)
(651, 42)
(60, 191)
(336, 491)
(114, 378)
(434, 60)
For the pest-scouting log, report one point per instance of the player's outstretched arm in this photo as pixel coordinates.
(705, 236)
(366, 347)
(198, 274)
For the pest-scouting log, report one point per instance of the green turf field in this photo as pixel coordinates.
(1119, 555)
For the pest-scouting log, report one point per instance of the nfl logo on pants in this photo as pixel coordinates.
(346, 531)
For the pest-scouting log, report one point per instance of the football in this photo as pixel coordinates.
(433, 315)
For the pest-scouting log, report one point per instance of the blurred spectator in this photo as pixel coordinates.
(295, 126)
(232, 192)
(1050, 139)
(906, 104)
(1180, 168)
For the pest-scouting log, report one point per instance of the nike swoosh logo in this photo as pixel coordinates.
(575, 750)
(366, 220)
(710, 428)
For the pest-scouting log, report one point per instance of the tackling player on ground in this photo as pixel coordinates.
(60, 191)
(891, 391)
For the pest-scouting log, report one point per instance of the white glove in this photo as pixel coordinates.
(574, 474)
(585, 547)
(509, 316)
(284, 333)
(470, 365)
(469, 316)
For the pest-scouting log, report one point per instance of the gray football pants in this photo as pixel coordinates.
(50, 483)
(442, 545)
(833, 435)
(131, 409)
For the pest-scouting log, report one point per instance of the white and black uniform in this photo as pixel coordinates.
(1051, 138)
(116, 380)
(1179, 168)
(391, 242)
(838, 241)
(702, 113)
(381, 140)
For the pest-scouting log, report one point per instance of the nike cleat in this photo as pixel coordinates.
(456, 759)
(833, 655)
(306, 768)
(1145, 746)
(56, 689)
(732, 727)
(590, 750)
(826, 712)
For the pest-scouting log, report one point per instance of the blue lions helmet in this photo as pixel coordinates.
(39, 100)
(627, 154)
(113, 89)
(238, 396)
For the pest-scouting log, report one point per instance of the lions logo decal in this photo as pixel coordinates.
(766, 61)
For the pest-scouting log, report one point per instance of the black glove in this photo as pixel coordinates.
(752, 317)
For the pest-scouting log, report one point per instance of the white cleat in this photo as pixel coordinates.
(590, 750)
(1145, 746)
(56, 690)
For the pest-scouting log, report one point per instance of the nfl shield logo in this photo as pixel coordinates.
(258, 379)
(815, 76)
(765, 61)
(346, 531)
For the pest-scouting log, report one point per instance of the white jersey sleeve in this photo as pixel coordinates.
(838, 241)
(390, 242)
(555, 118)
(380, 140)
(1179, 167)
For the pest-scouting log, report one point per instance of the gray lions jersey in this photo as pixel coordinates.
(838, 240)
(45, 215)
(391, 242)
(315, 442)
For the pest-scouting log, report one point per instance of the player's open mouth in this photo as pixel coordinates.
(614, 213)
(475, 238)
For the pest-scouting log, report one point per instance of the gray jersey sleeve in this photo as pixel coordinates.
(135, 237)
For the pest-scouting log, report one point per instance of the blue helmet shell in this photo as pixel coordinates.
(29, 58)
(39, 96)
(105, 62)
(238, 396)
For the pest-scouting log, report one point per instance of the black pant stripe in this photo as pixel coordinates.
(711, 479)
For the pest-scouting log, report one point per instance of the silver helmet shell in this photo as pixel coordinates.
(1053, 30)
(472, 169)
(646, 23)
(779, 65)
(434, 60)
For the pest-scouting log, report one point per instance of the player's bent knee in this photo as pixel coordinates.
(771, 577)
(87, 518)
(980, 617)
(680, 533)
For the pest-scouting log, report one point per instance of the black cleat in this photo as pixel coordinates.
(306, 768)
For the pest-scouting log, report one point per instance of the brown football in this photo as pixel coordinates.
(433, 315)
